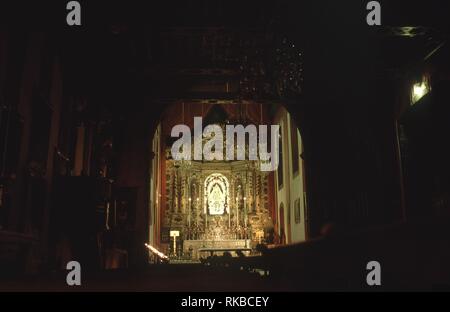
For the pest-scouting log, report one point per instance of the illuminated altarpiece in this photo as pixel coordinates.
(222, 205)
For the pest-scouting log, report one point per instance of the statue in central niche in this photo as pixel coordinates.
(216, 191)
(216, 200)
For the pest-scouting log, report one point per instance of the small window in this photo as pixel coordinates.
(280, 174)
(419, 90)
(294, 148)
(297, 211)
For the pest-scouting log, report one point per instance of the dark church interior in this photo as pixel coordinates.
(87, 174)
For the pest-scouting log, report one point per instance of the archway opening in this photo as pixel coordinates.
(226, 204)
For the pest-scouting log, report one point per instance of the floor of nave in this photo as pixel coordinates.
(161, 277)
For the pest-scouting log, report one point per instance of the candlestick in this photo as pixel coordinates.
(189, 211)
(237, 212)
(245, 211)
(205, 210)
(229, 218)
(197, 213)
